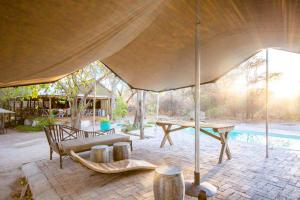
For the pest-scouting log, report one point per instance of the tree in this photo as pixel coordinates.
(255, 80)
(121, 109)
(139, 113)
(81, 82)
(22, 93)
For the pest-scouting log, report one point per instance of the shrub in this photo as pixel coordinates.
(131, 127)
(121, 109)
(44, 121)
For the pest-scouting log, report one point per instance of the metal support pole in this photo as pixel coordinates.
(157, 110)
(267, 103)
(157, 107)
(94, 107)
(197, 104)
(194, 188)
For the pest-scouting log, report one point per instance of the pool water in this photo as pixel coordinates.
(276, 140)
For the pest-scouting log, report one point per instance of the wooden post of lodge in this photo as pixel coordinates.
(50, 111)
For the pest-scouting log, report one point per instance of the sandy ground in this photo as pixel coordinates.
(16, 149)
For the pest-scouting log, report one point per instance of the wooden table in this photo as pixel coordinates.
(222, 129)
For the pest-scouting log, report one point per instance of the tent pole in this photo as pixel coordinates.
(194, 188)
(94, 107)
(157, 109)
(267, 103)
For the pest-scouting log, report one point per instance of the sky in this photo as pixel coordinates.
(287, 63)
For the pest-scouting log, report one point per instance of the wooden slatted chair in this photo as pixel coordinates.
(58, 135)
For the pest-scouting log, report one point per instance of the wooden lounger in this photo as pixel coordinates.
(114, 167)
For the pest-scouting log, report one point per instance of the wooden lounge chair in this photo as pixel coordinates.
(62, 139)
(114, 167)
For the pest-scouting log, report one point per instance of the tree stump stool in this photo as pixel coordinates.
(121, 151)
(168, 183)
(100, 154)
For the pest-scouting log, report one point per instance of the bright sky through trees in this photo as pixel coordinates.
(288, 64)
(286, 86)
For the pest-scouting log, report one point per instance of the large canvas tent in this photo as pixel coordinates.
(148, 43)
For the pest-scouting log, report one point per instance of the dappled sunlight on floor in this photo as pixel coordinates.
(247, 175)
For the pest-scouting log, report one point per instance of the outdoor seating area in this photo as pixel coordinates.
(63, 139)
(239, 178)
(81, 82)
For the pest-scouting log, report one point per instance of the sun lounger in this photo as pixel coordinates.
(114, 167)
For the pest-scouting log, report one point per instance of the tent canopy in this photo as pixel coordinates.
(147, 43)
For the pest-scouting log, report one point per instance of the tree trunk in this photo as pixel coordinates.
(142, 112)
(113, 97)
(139, 113)
(137, 116)
(75, 114)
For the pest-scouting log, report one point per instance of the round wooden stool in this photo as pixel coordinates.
(168, 183)
(121, 151)
(99, 154)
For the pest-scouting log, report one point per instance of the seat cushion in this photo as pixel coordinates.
(85, 144)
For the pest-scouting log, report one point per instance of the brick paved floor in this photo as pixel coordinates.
(247, 176)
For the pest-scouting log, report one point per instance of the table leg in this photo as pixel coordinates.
(228, 153)
(223, 137)
(169, 136)
(166, 136)
(163, 141)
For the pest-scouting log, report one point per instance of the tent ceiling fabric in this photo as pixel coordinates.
(148, 43)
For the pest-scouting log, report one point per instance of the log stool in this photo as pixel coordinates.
(99, 154)
(121, 151)
(168, 183)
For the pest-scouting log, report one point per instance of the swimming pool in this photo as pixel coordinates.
(276, 140)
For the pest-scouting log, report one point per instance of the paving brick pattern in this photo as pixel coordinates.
(247, 176)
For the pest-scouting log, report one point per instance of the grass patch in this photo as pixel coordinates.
(26, 128)
(151, 123)
(129, 127)
(17, 187)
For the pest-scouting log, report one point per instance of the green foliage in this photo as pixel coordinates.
(23, 92)
(41, 122)
(62, 101)
(26, 128)
(131, 127)
(121, 109)
(44, 121)
(104, 120)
